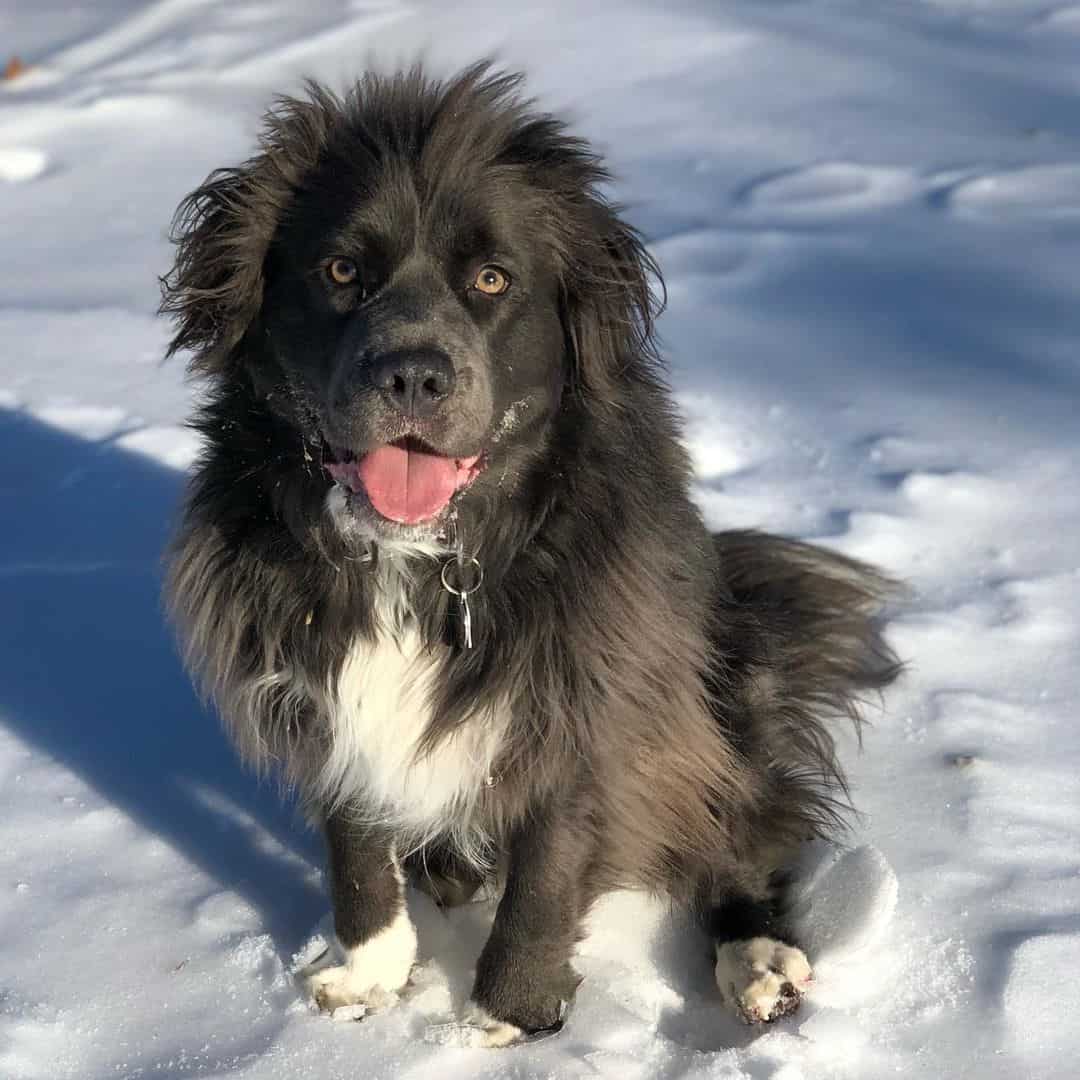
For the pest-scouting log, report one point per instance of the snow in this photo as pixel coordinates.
(19, 163)
(869, 215)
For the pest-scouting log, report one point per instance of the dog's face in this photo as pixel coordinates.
(409, 281)
(416, 322)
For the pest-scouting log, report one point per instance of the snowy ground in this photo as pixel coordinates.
(869, 216)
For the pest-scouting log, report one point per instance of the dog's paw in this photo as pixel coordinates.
(480, 1029)
(483, 1029)
(372, 973)
(338, 987)
(761, 979)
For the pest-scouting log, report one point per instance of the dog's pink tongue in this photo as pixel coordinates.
(408, 485)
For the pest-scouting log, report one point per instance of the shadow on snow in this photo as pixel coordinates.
(89, 673)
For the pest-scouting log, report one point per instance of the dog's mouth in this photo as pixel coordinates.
(405, 481)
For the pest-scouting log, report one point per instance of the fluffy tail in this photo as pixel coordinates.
(800, 642)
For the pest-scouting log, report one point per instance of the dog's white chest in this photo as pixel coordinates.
(380, 710)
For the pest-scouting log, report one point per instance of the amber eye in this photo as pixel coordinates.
(492, 281)
(342, 271)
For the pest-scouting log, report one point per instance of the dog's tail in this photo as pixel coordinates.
(801, 641)
(816, 615)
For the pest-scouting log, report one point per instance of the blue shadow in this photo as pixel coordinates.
(89, 673)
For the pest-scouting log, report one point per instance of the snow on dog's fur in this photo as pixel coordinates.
(369, 299)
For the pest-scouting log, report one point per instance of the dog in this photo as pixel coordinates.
(439, 568)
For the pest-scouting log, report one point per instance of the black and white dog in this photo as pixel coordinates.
(440, 569)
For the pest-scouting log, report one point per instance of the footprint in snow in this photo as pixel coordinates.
(1062, 20)
(830, 187)
(967, 720)
(1038, 191)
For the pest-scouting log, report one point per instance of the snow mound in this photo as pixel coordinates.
(21, 163)
(846, 904)
(1040, 1017)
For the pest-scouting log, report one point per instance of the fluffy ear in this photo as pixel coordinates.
(224, 228)
(610, 305)
(222, 234)
(608, 275)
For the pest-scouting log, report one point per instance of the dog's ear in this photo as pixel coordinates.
(224, 228)
(612, 293)
(611, 288)
(222, 234)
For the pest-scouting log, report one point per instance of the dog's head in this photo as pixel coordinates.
(410, 281)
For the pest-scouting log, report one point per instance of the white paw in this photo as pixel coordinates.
(489, 1031)
(372, 972)
(336, 989)
(478, 1029)
(761, 979)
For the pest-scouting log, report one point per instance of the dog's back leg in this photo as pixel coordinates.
(799, 643)
(760, 971)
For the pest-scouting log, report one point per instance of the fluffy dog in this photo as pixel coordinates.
(440, 569)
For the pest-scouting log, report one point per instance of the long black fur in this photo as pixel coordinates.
(670, 691)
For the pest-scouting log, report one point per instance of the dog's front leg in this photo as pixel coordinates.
(524, 979)
(377, 938)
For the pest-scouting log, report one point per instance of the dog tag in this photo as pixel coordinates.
(466, 618)
(467, 574)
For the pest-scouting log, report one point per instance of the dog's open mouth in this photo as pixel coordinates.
(405, 481)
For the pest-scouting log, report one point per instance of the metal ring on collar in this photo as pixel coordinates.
(460, 566)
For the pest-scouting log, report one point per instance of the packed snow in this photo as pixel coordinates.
(868, 212)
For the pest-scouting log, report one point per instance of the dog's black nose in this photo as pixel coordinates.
(414, 381)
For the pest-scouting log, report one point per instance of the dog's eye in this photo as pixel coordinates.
(342, 271)
(492, 281)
